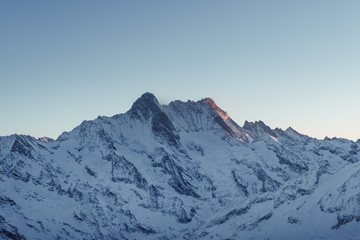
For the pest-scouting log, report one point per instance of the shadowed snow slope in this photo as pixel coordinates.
(180, 171)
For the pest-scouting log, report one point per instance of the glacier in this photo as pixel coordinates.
(184, 170)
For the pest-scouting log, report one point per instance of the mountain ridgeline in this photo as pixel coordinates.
(180, 171)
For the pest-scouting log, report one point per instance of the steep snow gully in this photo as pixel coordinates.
(180, 171)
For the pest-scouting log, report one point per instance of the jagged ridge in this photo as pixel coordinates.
(185, 170)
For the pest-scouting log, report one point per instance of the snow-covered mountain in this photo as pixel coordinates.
(181, 171)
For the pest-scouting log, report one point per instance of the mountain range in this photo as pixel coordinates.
(184, 170)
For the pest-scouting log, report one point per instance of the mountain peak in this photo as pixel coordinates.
(257, 129)
(177, 162)
(208, 101)
(257, 124)
(224, 120)
(211, 103)
(148, 96)
(144, 106)
(45, 139)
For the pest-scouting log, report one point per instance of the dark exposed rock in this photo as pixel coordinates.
(293, 220)
(290, 159)
(148, 109)
(8, 231)
(145, 107)
(164, 129)
(90, 172)
(4, 200)
(240, 183)
(258, 129)
(124, 171)
(342, 220)
(177, 180)
(21, 146)
(231, 214)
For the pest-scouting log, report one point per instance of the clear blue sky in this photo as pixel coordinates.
(288, 63)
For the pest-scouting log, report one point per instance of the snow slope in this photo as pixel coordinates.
(181, 171)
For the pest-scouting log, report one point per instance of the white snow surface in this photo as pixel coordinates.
(181, 171)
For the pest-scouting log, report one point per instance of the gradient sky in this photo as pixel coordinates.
(287, 63)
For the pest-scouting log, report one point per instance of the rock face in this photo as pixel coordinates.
(181, 171)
